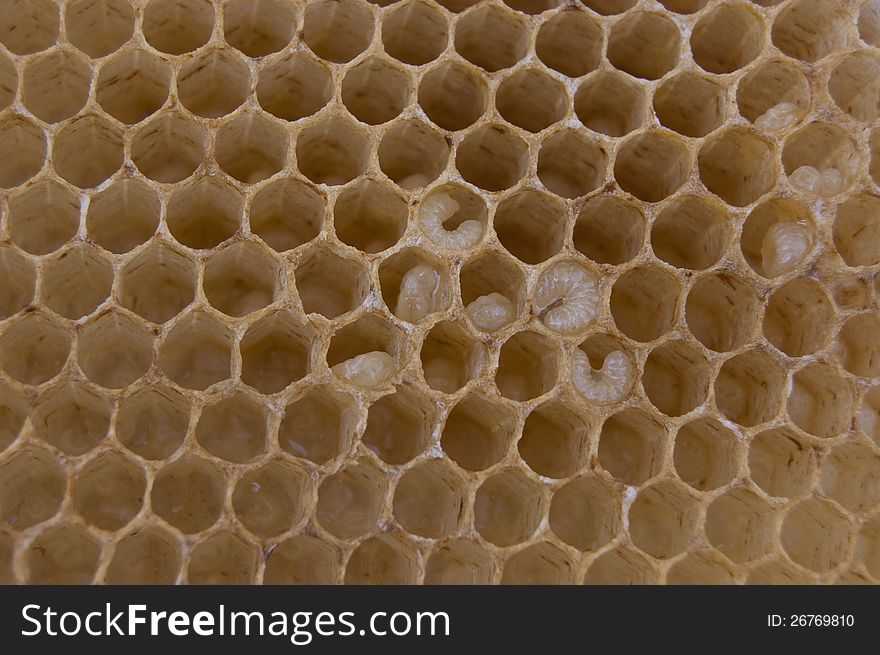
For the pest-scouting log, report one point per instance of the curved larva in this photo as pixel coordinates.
(372, 369)
(566, 297)
(828, 182)
(778, 117)
(490, 312)
(605, 385)
(418, 293)
(436, 210)
(783, 247)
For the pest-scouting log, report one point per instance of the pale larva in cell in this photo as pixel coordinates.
(606, 385)
(372, 369)
(418, 293)
(435, 211)
(783, 247)
(566, 297)
(490, 312)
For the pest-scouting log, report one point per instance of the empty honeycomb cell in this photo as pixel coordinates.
(398, 426)
(488, 275)
(259, 28)
(450, 357)
(294, 87)
(76, 282)
(721, 311)
(856, 230)
(571, 165)
(822, 146)
(530, 225)
(20, 277)
(740, 525)
(28, 26)
(809, 29)
(850, 476)
(644, 44)
(241, 279)
(43, 218)
(531, 99)
(799, 317)
(652, 165)
(685, 6)
(412, 154)
(609, 230)
(413, 285)
(133, 85)
(429, 500)
(771, 84)
(196, 353)
(99, 27)
(631, 446)
(414, 33)
(375, 90)
(123, 216)
(56, 86)
(528, 366)
(868, 23)
(170, 148)
(774, 217)
(302, 560)
(868, 546)
(337, 30)
(13, 414)
(351, 500)
(737, 165)
(778, 572)
(478, 432)
(858, 345)
(820, 401)
(508, 506)
(157, 283)
(492, 157)
(691, 232)
(63, 554)
(317, 426)
(286, 213)
(382, 560)
(71, 417)
(8, 81)
(233, 429)
(555, 439)
(32, 488)
(204, 213)
(570, 42)
(146, 556)
(706, 454)
(690, 104)
(178, 26)
(676, 378)
(663, 519)
(275, 352)
(749, 388)
(152, 422)
(451, 95)
(586, 513)
(22, 150)
(700, 569)
(853, 85)
(108, 492)
(251, 148)
(269, 500)
(370, 216)
(459, 563)
(621, 566)
(34, 348)
(781, 463)
(214, 83)
(329, 284)
(816, 535)
(189, 494)
(114, 350)
(610, 103)
(332, 151)
(538, 564)
(727, 38)
(610, 7)
(491, 37)
(644, 302)
(223, 558)
(88, 151)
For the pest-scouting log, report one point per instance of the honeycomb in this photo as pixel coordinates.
(453, 291)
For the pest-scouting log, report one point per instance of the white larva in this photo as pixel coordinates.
(785, 244)
(490, 312)
(778, 117)
(435, 211)
(606, 385)
(418, 293)
(828, 182)
(372, 369)
(566, 298)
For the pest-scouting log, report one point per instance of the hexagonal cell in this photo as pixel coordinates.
(8, 82)
(414, 33)
(571, 165)
(251, 148)
(87, 151)
(644, 44)
(13, 414)
(233, 429)
(350, 502)
(189, 494)
(337, 30)
(370, 334)
(429, 499)
(821, 401)
(71, 417)
(538, 564)
(43, 218)
(528, 366)
(750, 388)
(369, 216)
(810, 29)
(778, 572)
(700, 569)
(223, 558)
(375, 91)
(816, 535)
(158, 283)
(286, 213)
(530, 225)
(690, 104)
(478, 432)
(412, 286)
(740, 525)
(737, 165)
(858, 344)
(241, 279)
(508, 507)
(663, 519)
(259, 28)
(611, 103)
(490, 274)
(205, 213)
(214, 83)
(383, 560)
(123, 216)
(332, 151)
(706, 454)
(269, 500)
(555, 439)
(64, 554)
(609, 230)
(799, 318)
(631, 446)
(275, 352)
(178, 26)
(29, 26)
(853, 86)
(652, 165)
(329, 284)
(450, 357)
(32, 488)
(868, 546)
(761, 238)
(722, 311)
(781, 463)
(727, 38)
(146, 556)
(492, 157)
(99, 27)
(643, 303)
(822, 146)
(531, 99)
(676, 378)
(56, 86)
(586, 513)
(108, 491)
(868, 23)
(570, 42)
(133, 85)
(399, 426)
(318, 425)
(22, 150)
(451, 95)
(302, 560)
(197, 352)
(294, 87)
(459, 563)
(77, 282)
(20, 277)
(491, 37)
(114, 350)
(850, 476)
(152, 422)
(857, 230)
(170, 148)
(34, 348)
(620, 566)
(769, 85)
(412, 154)
(452, 217)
